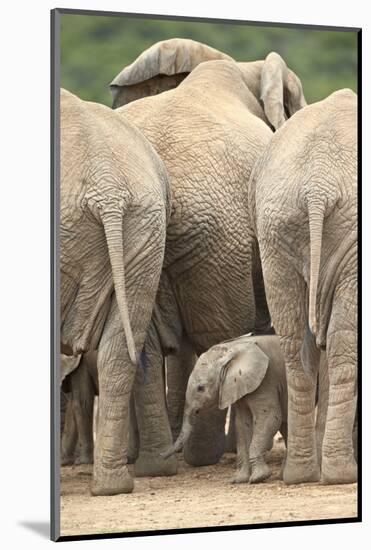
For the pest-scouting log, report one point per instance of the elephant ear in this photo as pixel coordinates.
(280, 90)
(242, 375)
(69, 363)
(163, 66)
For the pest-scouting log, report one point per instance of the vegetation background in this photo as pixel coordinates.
(94, 48)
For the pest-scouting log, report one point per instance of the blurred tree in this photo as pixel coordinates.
(94, 48)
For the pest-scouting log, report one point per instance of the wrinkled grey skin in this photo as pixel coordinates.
(115, 203)
(77, 438)
(304, 205)
(163, 67)
(233, 373)
(179, 353)
(209, 131)
(79, 389)
(322, 407)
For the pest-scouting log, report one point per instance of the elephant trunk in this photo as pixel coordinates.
(316, 212)
(112, 223)
(182, 438)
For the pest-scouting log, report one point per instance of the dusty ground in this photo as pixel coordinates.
(198, 497)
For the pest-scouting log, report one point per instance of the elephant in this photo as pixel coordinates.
(210, 131)
(114, 208)
(79, 388)
(79, 381)
(67, 421)
(167, 63)
(248, 372)
(303, 206)
(161, 67)
(77, 431)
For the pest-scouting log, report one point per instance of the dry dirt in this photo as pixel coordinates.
(198, 497)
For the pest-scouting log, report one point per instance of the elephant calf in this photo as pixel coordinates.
(249, 372)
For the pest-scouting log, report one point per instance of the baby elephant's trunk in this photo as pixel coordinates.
(182, 438)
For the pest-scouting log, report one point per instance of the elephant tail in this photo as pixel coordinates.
(316, 214)
(112, 223)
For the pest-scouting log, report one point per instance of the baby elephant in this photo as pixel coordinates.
(248, 372)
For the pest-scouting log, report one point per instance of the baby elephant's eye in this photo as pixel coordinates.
(200, 388)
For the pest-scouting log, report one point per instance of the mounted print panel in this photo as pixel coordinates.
(205, 208)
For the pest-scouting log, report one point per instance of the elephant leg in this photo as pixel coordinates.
(231, 444)
(151, 412)
(338, 461)
(286, 294)
(301, 461)
(143, 258)
(322, 405)
(284, 433)
(116, 376)
(64, 400)
(178, 369)
(133, 442)
(267, 419)
(244, 428)
(206, 444)
(69, 436)
(83, 405)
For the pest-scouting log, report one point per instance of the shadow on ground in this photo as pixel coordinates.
(42, 528)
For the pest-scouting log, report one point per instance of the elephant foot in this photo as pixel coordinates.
(303, 472)
(242, 476)
(112, 482)
(67, 460)
(337, 471)
(153, 465)
(260, 472)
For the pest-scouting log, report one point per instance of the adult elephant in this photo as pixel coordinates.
(304, 197)
(209, 131)
(162, 67)
(159, 68)
(115, 203)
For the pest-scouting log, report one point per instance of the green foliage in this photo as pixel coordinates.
(95, 48)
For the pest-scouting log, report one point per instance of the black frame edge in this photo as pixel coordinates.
(71, 11)
(193, 530)
(359, 287)
(54, 276)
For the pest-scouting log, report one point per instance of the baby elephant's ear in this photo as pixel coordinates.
(242, 375)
